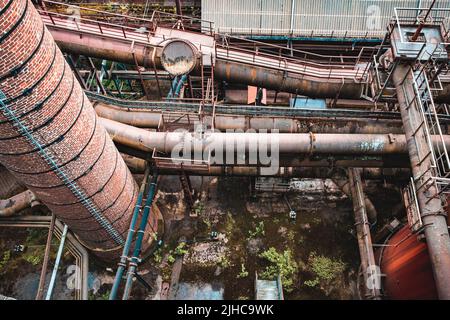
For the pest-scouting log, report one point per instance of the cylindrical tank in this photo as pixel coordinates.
(51, 139)
(406, 266)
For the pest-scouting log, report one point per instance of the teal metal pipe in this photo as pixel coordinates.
(126, 248)
(140, 237)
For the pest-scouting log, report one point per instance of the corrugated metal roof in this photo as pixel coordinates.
(353, 18)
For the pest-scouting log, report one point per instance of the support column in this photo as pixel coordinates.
(369, 267)
(431, 209)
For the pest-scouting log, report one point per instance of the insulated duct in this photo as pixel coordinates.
(51, 139)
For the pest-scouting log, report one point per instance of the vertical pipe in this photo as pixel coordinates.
(431, 210)
(57, 261)
(363, 234)
(178, 6)
(291, 27)
(129, 240)
(140, 236)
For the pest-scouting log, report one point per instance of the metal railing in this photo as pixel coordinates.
(293, 60)
(412, 16)
(412, 207)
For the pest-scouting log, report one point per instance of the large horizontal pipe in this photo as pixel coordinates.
(152, 119)
(93, 44)
(138, 166)
(289, 143)
(335, 161)
(17, 203)
(96, 45)
(280, 80)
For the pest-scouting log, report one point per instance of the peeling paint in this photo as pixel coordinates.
(375, 145)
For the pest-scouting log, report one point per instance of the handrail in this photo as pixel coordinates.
(65, 20)
(301, 52)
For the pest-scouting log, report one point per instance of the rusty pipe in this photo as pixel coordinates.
(344, 185)
(151, 119)
(289, 143)
(279, 80)
(137, 165)
(117, 49)
(17, 203)
(431, 210)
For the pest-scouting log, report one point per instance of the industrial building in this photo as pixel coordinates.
(206, 149)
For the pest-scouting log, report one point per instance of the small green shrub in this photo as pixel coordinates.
(181, 250)
(243, 273)
(282, 264)
(157, 257)
(258, 232)
(171, 259)
(199, 208)
(5, 259)
(224, 262)
(312, 283)
(325, 268)
(325, 271)
(34, 256)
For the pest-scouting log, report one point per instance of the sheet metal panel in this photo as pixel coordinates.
(336, 18)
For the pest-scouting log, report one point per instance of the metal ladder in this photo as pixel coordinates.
(51, 160)
(427, 125)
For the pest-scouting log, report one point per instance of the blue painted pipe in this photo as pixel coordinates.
(126, 248)
(172, 87)
(180, 85)
(140, 237)
(177, 85)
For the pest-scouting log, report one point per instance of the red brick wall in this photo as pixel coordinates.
(63, 120)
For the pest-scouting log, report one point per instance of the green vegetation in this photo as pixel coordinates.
(34, 256)
(230, 224)
(104, 296)
(259, 231)
(243, 273)
(157, 257)
(290, 235)
(170, 259)
(199, 208)
(179, 251)
(5, 259)
(325, 270)
(224, 262)
(282, 264)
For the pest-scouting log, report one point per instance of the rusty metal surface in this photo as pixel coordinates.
(430, 204)
(152, 118)
(287, 143)
(406, 264)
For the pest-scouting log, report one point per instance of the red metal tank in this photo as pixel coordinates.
(407, 268)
